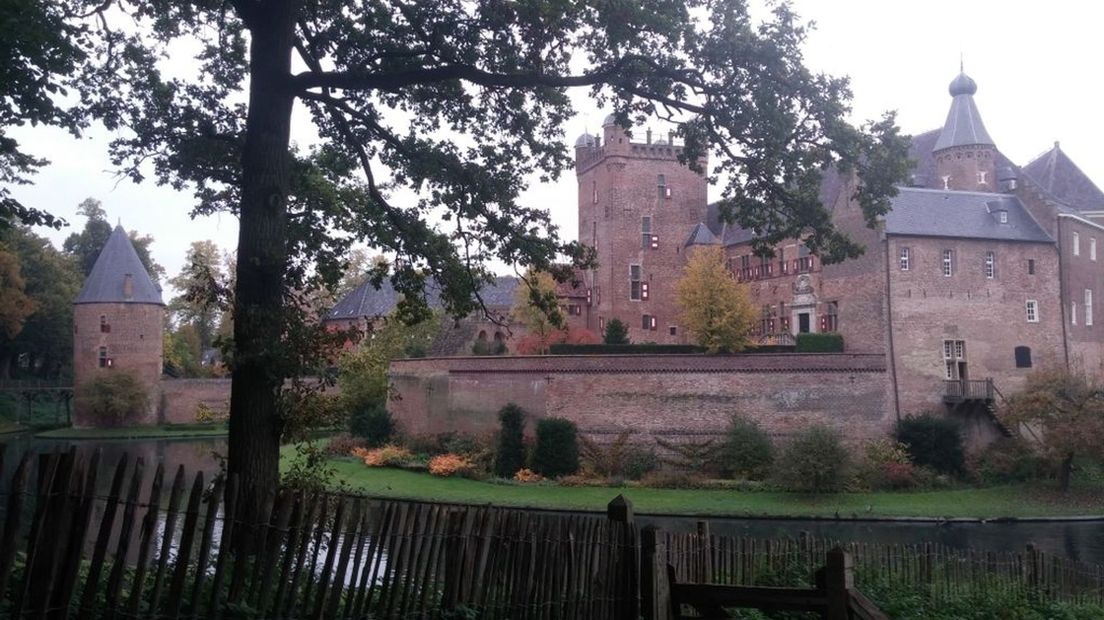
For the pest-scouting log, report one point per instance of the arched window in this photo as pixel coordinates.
(498, 337)
(1023, 357)
(482, 335)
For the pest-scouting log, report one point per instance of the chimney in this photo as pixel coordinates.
(671, 138)
(649, 133)
(128, 287)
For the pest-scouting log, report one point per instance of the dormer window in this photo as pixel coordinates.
(1003, 217)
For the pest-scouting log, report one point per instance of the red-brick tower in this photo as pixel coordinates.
(636, 205)
(965, 155)
(118, 320)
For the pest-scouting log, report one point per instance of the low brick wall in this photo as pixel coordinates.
(658, 395)
(180, 399)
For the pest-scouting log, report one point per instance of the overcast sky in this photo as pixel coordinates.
(1036, 65)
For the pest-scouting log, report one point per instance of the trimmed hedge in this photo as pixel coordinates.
(820, 343)
(510, 447)
(556, 452)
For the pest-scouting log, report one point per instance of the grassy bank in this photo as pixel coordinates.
(1026, 500)
(174, 431)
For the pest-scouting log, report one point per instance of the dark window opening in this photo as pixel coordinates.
(105, 327)
(1031, 266)
(673, 330)
(1023, 357)
(803, 323)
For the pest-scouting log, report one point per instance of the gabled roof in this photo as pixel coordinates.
(963, 126)
(366, 301)
(105, 283)
(973, 215)
(1056, 173)
(701, 235)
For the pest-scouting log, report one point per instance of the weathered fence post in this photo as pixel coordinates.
(620, 510)
(655, 588)
(839, 579)
(1031, 567)
(705, 552)
(454, 559)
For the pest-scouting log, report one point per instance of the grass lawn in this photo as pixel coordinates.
(1029, 500)
(173, 431)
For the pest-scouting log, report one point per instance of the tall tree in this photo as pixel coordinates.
(713, 305)
(200, 282)
(535, 307)
(459, 102)
(52, 282)
(86, 245)
(15, 304)
(1065, 412)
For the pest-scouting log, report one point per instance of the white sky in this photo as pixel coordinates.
(1036, 65)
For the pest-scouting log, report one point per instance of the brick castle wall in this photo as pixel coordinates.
(662, 395)
(180, 399)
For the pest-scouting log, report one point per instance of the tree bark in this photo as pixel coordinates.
(1065, 472)
(262, 255)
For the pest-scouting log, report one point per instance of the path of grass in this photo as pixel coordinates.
(1004, 501)
(174, 431)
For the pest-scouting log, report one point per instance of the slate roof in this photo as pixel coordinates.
(941, 213)
(701, 235)
(105, 282)
(1056, 173)
(366, 301)
(963, 126)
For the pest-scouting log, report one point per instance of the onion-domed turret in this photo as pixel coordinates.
(962, 85)
(584, 140)
(963, 126)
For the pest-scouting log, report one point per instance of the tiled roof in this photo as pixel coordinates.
(942, 213)
(1056, 173)
(701, 235)
(366, 301)
(105, 283)
(963, 126)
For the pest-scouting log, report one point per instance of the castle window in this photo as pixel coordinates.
(661, 183)
(648, 322)
(1032, 311)
(1073, 313)
(574, 310)
(634, 283)
(105, 327)
(1088, 307)
(954, 359)
(948, 263)
(990, 265)
(1092, 248)
(1023, 357)
(672, 330)
(105, 361)
(1031, 266)
(594, 191)
(830, 321)
(1003, 217)
(981, 177)
(1076, 244)
(905, 259)
(602, 323)
(646, 232)
(947, 182)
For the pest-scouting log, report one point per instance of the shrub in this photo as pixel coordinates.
(616, 332)
(114, 398)
(748, 451)
(205, 414)
(343, 445)
(527, 475)
(387, 456)
(933, 441)
(1008, 459)
(510, 447)
(372, 423)
(639, 462)
(556, 452)
(814, 461)
(446, 465)
(828, 342)
(886, 465)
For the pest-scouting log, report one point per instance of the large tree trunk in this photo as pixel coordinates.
(262, 256)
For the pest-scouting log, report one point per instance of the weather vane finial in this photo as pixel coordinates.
(961, 64)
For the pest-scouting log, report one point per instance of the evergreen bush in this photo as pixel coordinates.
(556, 452)
(814, 461)
(748, 451)
(828, 342)
(114, 398)
(373, 423)
(933, 441)
(510, 448)
(616, 332)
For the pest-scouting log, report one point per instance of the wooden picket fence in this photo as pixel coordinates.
(68, 551)
(157, 544)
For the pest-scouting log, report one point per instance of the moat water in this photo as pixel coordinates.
(1077, 540)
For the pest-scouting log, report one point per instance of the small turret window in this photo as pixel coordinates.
(105, 361)
(105, 327)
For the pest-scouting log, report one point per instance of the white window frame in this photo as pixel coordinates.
(1032, 310)
(954, 351)
(1088, 307)
(990, 265)
(1003, 217)
(1076, 243)
(948, 263)
(1092, 248)
(905, 258)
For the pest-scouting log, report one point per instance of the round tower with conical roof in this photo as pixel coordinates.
(118, 322)
(965, 155)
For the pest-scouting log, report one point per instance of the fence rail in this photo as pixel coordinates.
(960, 390)
(81, 540)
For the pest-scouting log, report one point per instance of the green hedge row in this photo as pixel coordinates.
(819, 343)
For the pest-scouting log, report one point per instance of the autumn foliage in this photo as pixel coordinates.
(447, 465)
(714, 307)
